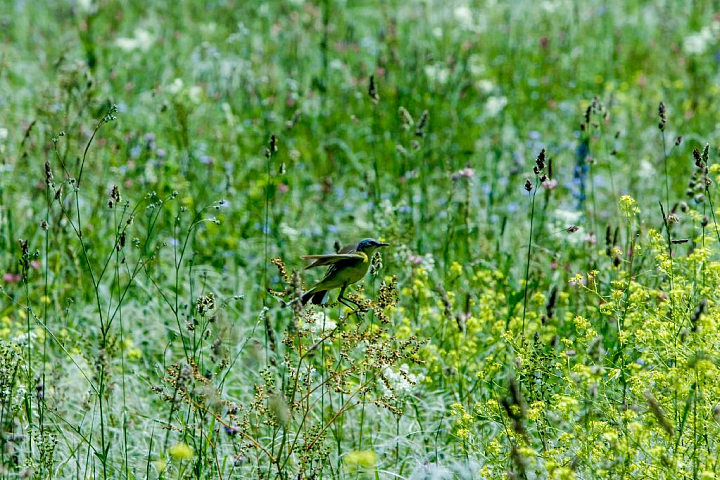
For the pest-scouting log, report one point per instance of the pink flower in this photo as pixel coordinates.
(282, 188)
(12, 277)
(35, 264)
(550, 184)
(466, 172)
(415, 259)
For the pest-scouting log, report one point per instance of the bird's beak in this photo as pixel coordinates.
(383, 244)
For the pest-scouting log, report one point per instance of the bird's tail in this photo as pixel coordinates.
(317, 296)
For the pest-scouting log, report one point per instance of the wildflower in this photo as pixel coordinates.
(361, 458)
(549, 184)
(87, 7)
(464, 16)
(485, 86)
(176, 86)
(401, 381)
(195, 94)
(578, 280)
(697, 43)
(456, 268)
(319, 323)
(415, 259)
(12, 277)
(181, 451)
(466, 172)
(628, 206)
(160, 465)
(142, 40)
(494, 105)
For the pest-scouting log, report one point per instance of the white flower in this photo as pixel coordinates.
(437, 73)
(476, 65)
(86, 6)
(550, 6)
(142, 40)
(464, 16)
(647, 171)
(320, 323)
(3, 133)
(485, 85)
(494, 105)
(336, 64)
(400, 382)
(567, 217)
(176, 86)
(195, 94)
(698, 43)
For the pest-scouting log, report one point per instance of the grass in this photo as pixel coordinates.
(165, 165)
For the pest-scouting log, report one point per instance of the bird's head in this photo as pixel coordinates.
(369, 245)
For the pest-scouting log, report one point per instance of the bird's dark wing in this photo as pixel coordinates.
(352, 248)
(331, 259)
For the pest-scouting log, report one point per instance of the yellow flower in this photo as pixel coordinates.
(361, 458)
(628, 206)
(160, 465)
(181, 451)
(456, 268)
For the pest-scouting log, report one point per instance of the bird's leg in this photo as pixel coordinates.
(347, 299)
(347, 302)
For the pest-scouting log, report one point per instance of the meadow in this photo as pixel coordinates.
(546, 174)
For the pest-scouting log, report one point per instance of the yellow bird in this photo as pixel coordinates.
(347, 266)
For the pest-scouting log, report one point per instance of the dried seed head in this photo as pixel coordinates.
(49, 180)
(372, 90)
(422, 124)
(662, 115)
(696, 156)
(406, 118)
(528, 185)
(540, 161)
(115, 197)
(273, 144)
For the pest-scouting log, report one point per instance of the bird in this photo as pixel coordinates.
(347, 266)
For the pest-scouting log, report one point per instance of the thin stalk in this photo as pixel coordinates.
(527, 265)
